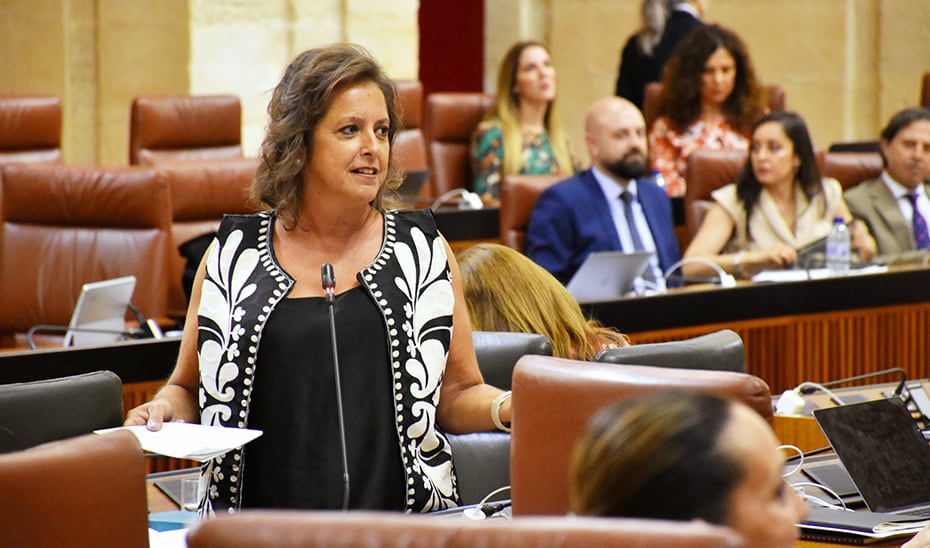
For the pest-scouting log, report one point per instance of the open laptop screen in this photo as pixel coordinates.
(100, 313)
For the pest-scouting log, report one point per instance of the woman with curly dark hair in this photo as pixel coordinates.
(710, 98)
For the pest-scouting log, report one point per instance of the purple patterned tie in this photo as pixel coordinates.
(921, 234)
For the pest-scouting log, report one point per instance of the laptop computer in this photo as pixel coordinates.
(884, 453)
(607, 275)
(99, 316)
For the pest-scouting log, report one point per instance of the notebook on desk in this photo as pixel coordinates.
(607, 275)
(99, 316)
(884, 452)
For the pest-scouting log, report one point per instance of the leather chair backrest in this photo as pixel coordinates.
(450, 119)
(30, 128)
(85, 491)
(64, 226)
(32, 413)
(652, 97)
(707, 171)
(184, 127)
(410, 143)
(499, 351)
(554, 398)
(518, 198)
(267, 529)
(721, 351)
(201, 193)
(482, 464)
(925, 90)
(851, 168)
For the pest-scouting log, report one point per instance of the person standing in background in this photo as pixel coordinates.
(710, 99)
(895, 206)
(522, 134)
(665, 23)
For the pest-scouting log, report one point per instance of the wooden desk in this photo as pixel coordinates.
(814, 330)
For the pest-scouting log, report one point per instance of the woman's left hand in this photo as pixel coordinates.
(860, 239)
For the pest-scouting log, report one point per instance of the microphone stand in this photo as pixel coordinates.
(329, 289)
(135, 334)
(897, 391)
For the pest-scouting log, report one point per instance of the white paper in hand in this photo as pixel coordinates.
(189, 441)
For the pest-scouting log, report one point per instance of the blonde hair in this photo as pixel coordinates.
(508, 111)
(506, 291)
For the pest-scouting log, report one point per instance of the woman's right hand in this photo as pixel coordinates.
(152, 414)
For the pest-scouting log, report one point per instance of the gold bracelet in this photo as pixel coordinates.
(496, 410)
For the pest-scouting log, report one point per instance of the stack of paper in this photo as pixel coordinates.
(185, 440)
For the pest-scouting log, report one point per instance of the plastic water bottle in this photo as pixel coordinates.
(658, 178)
(837, 256)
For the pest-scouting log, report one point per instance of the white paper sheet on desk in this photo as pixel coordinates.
(797, 275)
(186, 440)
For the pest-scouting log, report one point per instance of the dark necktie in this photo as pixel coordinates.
(627, 198)
(628, 213)
(921, 234)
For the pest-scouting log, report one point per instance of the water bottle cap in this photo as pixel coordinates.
(838, 221)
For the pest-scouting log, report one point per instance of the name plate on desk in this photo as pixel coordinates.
(469, 224)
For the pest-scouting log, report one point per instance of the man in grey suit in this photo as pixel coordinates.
(895, 206)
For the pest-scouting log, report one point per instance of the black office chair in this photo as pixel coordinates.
(498, 352)
(721, 350)
(32, 413)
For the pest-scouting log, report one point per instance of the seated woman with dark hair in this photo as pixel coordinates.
(506, 291)
(710, 98)
(779, 204)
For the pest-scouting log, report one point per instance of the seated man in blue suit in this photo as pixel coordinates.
(615, 205)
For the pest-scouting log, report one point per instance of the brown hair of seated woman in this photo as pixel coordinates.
(507, 291)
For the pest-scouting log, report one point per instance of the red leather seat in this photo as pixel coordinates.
(30, 128)
(450, 119)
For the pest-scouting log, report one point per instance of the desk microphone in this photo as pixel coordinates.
(329, 289)
(897, 391)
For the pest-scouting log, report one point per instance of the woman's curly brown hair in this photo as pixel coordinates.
(298, 103)
(681, 82)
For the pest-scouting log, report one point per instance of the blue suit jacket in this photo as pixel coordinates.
(571, 219)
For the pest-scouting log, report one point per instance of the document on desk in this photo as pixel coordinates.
(185, 440)
(827, 524)
(797, 274)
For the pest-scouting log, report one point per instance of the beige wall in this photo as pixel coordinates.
(846, 65)
(100, 54)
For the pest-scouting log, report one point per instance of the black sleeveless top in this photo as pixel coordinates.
(297, 462)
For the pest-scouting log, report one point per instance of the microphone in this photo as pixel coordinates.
(329, 289)
(897, 391)
(725, 280)
(468, 200)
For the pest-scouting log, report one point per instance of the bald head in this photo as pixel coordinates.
(615, 135)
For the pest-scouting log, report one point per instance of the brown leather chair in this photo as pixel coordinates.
(30, 128)
(450, 119)
(925, 90)
(553, 399)
(653, 96)
(85, 491)
(410, 143)
(707, 171)
(201, 193)
(63, 226)
(184, 127)
(851, 168)
(518, 197)
(261, 529)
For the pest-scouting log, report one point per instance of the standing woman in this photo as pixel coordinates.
(779, 204)
(710, 99)
(522, 134)
(256, 349)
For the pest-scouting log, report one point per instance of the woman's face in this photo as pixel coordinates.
(762, 508)
(535, 78)
(718, 77)
(772, 155)
(351, 145)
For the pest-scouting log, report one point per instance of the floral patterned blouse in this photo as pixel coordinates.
(487, 157)
(669, 149)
